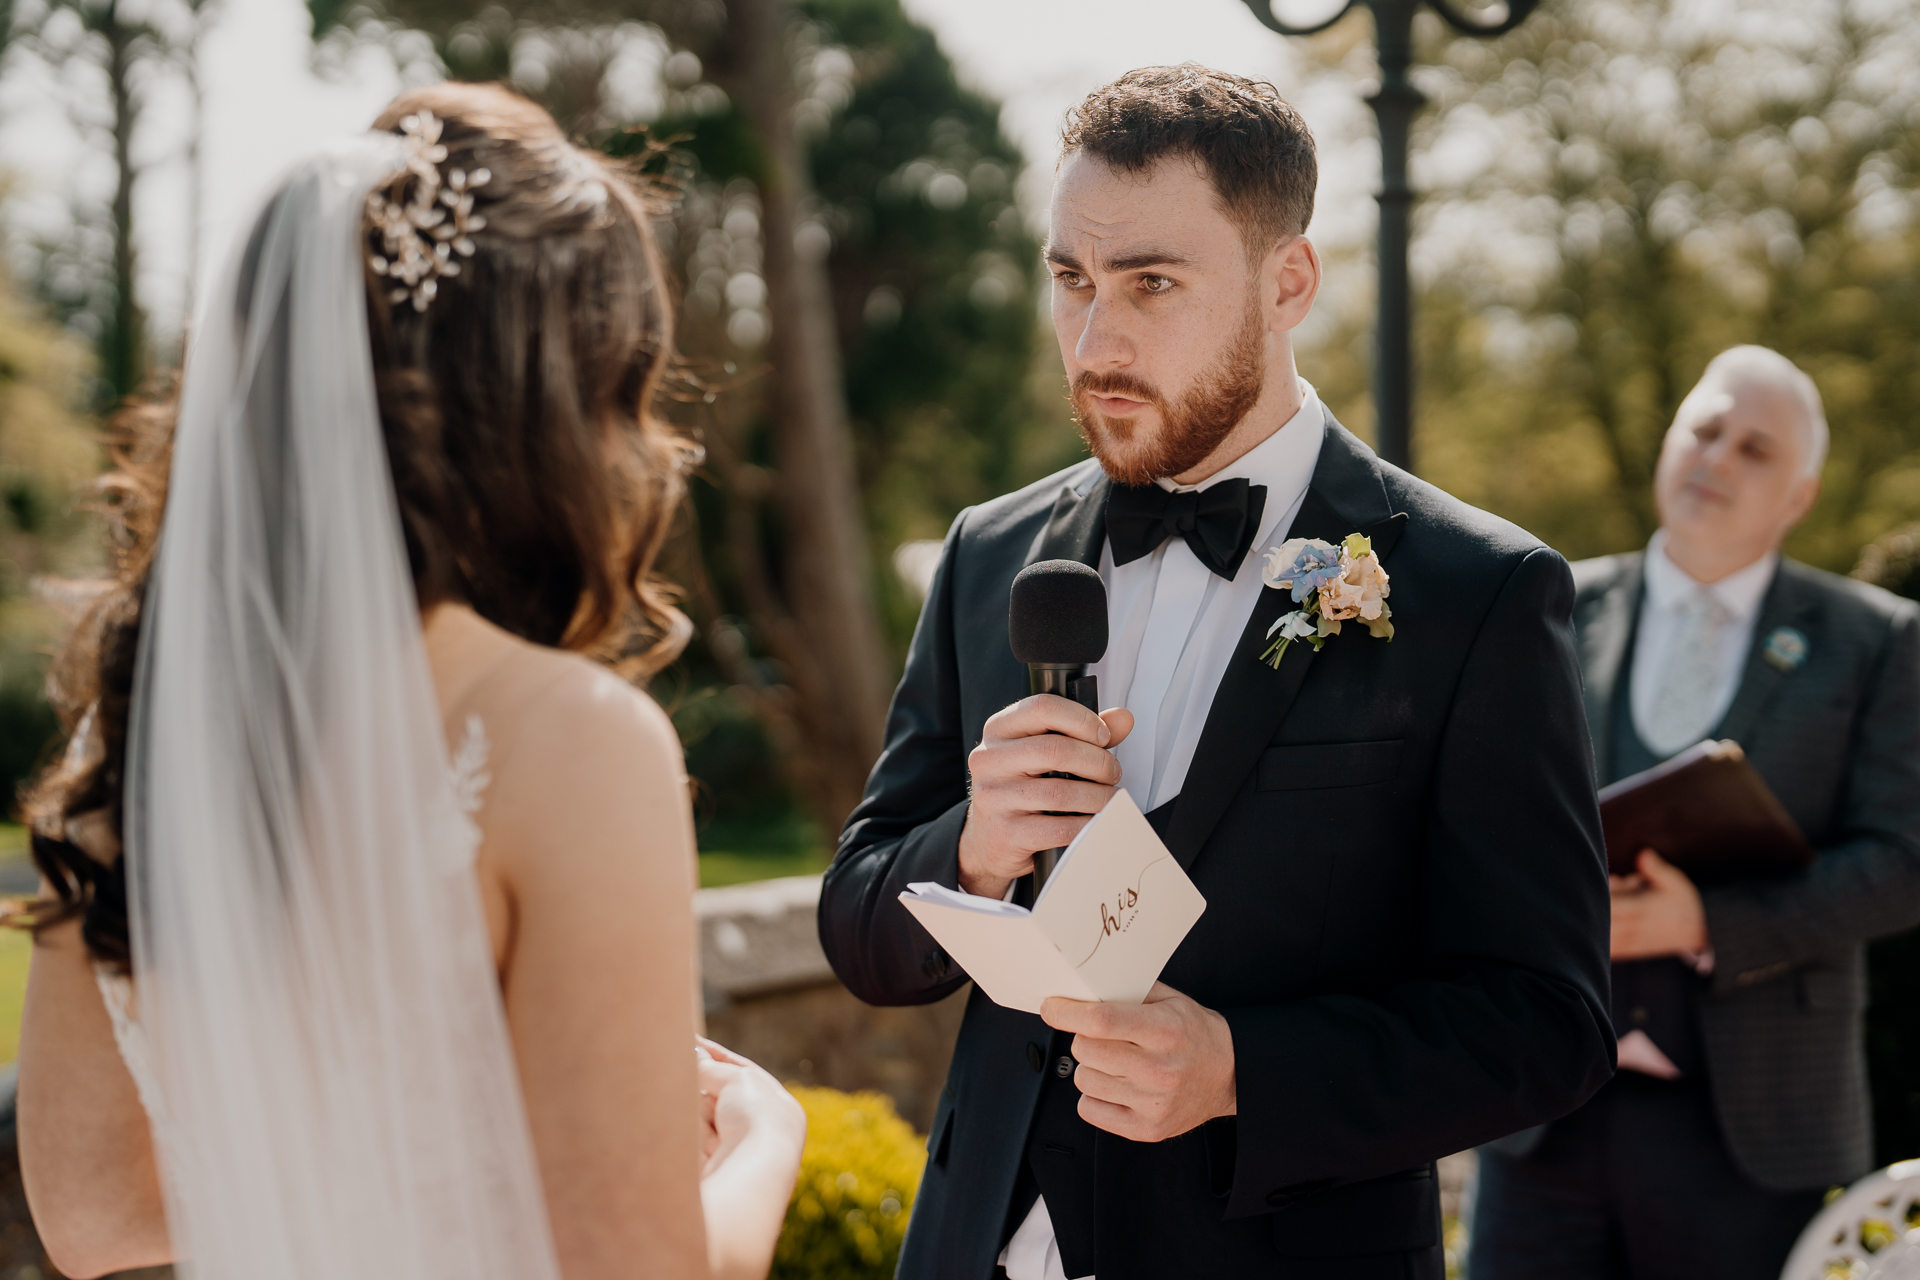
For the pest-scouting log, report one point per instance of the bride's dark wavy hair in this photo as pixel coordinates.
(534, 482)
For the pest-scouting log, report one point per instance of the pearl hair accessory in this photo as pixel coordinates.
(423, 235)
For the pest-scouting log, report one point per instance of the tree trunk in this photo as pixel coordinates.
(830, 638)
(124, 347)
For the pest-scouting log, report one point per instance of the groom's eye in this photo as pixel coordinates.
(1155, 284)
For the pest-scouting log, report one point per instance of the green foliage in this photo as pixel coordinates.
(558, 52)
(722, 145)
(1652, 188)
(934, 276)
(932, 273)
(857, 1179)
(47, 453)
(738, 776)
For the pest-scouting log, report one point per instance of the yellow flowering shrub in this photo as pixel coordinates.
(857, 1178)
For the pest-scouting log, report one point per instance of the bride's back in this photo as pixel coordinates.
(552, 753)
(518, 326)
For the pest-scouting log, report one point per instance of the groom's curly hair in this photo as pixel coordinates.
(534, 482)
(1251, 142)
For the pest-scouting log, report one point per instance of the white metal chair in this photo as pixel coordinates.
(1871, 1232)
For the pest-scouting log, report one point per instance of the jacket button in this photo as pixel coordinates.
(1063, 1068)
(1035, 1058)
(1640, 1013)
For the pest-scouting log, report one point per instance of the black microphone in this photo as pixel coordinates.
(1057, 624)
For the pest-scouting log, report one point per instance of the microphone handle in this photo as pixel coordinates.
(1074, 684)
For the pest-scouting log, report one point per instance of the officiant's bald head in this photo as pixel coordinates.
(1740, 466)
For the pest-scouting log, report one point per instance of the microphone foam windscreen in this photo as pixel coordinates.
(1058, 614)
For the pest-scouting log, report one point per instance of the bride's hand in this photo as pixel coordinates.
(713, 1079)
(743, 1105)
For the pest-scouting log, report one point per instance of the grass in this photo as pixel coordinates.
(743, 848)
(16, 948)
(723, 868)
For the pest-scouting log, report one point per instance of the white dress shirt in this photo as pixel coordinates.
(1173, 626)
(1668, 588)
(1173, 623)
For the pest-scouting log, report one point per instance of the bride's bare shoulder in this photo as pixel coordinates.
(582, 764)
(572, 718)
(550, 701)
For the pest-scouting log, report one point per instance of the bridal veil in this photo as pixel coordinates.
(316, 984)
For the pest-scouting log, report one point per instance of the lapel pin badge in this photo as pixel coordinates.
(1785, 648)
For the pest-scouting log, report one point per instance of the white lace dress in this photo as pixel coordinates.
(470, 779)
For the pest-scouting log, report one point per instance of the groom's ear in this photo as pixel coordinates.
(1289, 281)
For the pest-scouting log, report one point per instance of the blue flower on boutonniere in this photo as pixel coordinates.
(1785, 648)
(1331, 584)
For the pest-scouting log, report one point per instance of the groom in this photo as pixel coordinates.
(1404, 950)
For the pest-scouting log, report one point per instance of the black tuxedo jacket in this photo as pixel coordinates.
(1406, 923)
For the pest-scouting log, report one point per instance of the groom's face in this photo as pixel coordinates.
(1158, 309)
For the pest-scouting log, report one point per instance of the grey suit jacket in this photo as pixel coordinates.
(1837, 737)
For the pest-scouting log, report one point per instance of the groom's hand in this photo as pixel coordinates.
(1017, 810)
(1149, 1071)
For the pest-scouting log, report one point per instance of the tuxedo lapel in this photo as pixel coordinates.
(1345, 496)
(1077, 529)
(1605, 641)
(1786, 605)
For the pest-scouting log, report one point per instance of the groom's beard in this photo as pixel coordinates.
(1133, 454)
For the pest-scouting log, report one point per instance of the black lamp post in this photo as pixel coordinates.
(1394, 106)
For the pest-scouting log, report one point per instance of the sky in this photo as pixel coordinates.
(265, 104)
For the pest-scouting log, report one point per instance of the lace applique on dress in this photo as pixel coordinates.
(116, 992)
(470, 779)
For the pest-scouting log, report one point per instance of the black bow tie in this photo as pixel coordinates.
(1218, 522)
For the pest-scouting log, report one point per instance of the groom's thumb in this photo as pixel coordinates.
(1119, 724)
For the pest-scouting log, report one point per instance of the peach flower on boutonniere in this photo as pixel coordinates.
(1332, 585)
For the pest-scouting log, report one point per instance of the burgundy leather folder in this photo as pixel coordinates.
(1708, 812)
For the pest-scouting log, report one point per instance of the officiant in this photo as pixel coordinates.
(1741, 1096)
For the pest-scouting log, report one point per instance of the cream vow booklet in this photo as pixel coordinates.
(1107, 922)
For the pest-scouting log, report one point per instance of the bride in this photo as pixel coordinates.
(367, 942)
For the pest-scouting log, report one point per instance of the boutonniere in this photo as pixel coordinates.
(1331, 585)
